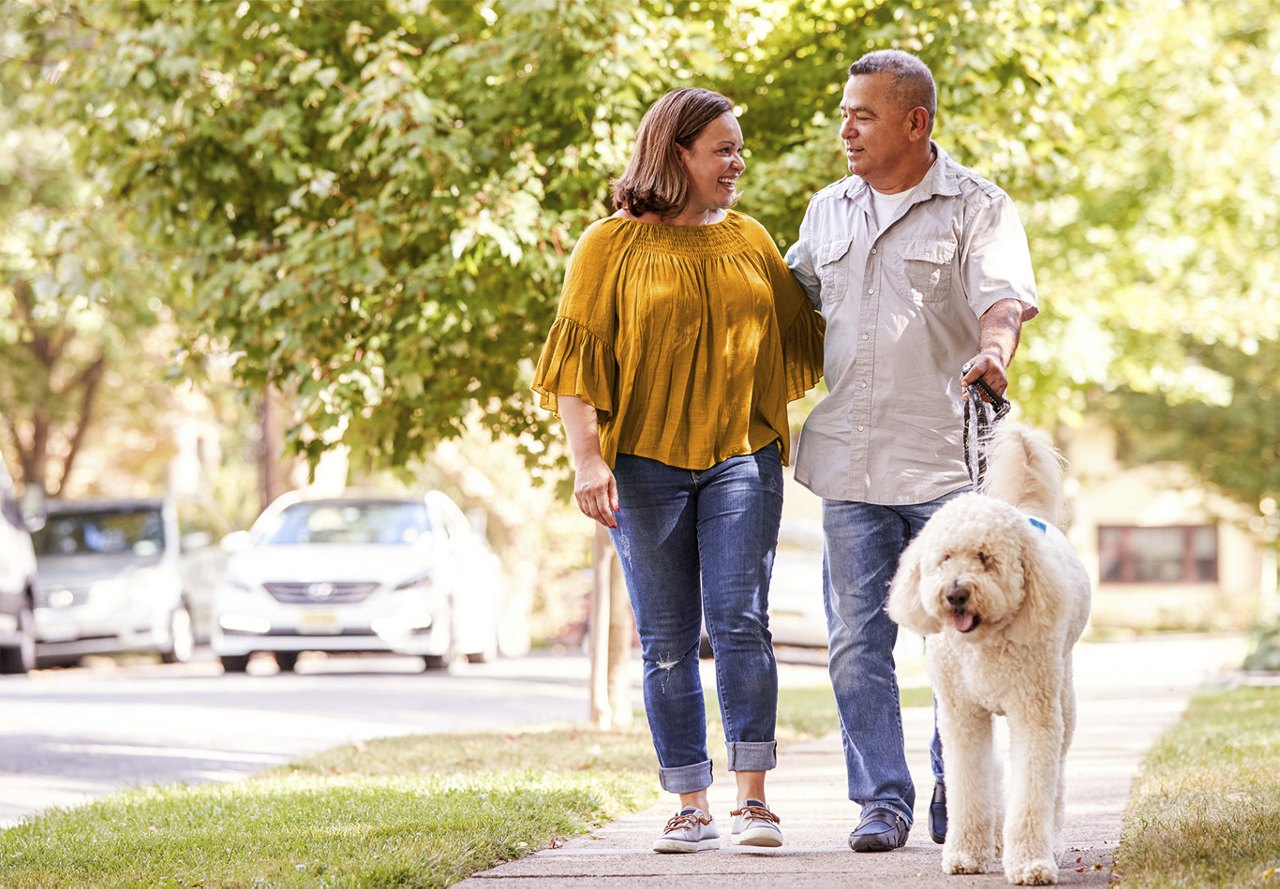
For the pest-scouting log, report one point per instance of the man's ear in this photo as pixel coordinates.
(919, 118)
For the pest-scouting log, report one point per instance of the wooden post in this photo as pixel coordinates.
(621, 629)
(609, 640)
(598, 628)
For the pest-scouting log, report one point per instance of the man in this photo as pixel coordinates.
(922, 271)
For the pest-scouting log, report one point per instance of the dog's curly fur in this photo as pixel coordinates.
(1002, 603)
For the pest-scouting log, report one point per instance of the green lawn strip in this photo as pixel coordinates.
(1205, 811)
(306, 830)
(423, 810)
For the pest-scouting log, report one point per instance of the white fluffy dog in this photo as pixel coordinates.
(993, 583)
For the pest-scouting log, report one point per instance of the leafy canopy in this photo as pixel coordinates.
(372, 202)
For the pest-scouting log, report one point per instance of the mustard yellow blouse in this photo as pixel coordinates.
(688, 340)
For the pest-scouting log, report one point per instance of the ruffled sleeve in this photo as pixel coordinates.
(801, 326)
(802, 351)
(578, 358)
(575, 362)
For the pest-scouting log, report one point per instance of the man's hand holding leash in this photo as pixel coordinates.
(985, 372)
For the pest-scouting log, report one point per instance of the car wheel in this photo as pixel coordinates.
(436, 661)
(21, 657)
(182, 638)
(234, 663)
(483, 657)
(285, 660)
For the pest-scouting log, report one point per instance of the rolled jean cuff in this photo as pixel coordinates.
(686, 779)
(752, 756)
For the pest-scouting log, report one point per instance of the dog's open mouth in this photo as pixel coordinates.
(965, 621)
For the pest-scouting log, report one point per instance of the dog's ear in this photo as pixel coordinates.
(906, 604)
(1034, 621)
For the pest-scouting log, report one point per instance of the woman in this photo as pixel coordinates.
(680, 337)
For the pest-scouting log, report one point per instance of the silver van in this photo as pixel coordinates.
(132, 575)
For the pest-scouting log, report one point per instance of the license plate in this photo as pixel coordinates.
(319, 622)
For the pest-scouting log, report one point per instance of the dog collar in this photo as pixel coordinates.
(1043, 526)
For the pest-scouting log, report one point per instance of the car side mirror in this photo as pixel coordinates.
(34, 508)
(235, 542)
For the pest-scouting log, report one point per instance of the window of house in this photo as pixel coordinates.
(1173, 554)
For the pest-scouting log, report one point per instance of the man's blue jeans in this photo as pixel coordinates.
(694, 546)
(863, 544)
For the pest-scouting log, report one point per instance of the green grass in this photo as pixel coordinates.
(1206, 809)
(421, 811)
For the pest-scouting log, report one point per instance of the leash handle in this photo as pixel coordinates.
(999, 402)
(978, 426)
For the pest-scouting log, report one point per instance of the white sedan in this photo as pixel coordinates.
(359, 573)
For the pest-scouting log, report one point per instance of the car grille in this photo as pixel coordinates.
(321, 592)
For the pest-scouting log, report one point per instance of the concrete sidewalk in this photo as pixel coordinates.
(1128, 693)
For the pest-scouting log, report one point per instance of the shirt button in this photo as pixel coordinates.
(863, 384)
(873, 253)
(871, 290)
(866, 336)
(860, 428)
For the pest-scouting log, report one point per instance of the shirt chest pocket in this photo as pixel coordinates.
(833, 271)
(928, 264)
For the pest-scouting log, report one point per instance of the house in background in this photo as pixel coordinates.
(1163, 552)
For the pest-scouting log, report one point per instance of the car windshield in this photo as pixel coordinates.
(136, 531)
(386, 522)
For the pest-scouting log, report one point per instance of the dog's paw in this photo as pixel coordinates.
(1034, 872)
(957, 862)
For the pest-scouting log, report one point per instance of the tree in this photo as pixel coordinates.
(1170, 244)
(374, 201)
(78, 303)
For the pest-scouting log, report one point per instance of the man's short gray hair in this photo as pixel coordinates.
(912, 80)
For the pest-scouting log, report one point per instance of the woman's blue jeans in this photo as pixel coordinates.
(863, 544)
(695, 546)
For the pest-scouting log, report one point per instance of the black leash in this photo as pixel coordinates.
(980, 419)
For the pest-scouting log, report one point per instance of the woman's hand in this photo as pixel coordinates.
(594, 486)
(596, 491)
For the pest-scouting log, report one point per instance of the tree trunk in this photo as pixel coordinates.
(270, 484)
(88, 382)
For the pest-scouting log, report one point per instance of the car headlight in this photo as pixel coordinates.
(418, 580)
(237, 583)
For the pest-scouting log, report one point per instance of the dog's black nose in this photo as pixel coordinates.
(958, 597)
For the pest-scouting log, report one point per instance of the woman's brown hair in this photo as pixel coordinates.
(654, 180)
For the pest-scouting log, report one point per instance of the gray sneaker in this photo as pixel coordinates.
(755, 825)
(691, 830)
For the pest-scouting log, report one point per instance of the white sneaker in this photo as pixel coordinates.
(755, 825)
(690, 830)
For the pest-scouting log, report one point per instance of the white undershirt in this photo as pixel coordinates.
(886, 206)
